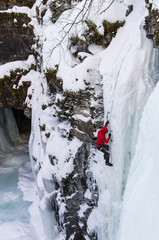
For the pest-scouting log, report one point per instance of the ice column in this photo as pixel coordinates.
(8, 130)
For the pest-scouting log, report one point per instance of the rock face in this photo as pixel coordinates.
(152, 24)
(5, 4)
(59, 6)
(93, 36)
(10, 94)
(76, 185)
(71, 191)
(16, 37)
(77, 110)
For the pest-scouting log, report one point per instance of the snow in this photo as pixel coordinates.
(124, 66)
(7, 67)
(95, 219)
(88, 194)
(64, 157)
(81, 117)
(127, 67)
(83, 209)
(114, 13)
(54, 33)
(155, 4)
(18, 9)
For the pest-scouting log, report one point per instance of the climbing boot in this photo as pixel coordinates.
(109, 164)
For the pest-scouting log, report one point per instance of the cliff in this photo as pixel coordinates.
(52, 70)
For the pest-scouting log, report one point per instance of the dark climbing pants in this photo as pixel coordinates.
(105, 150)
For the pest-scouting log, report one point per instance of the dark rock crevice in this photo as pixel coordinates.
(5, 4)
(12, 95)
(23, 122)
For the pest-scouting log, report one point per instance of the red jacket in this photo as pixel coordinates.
(101, 139)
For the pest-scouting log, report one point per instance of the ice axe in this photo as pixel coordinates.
(107, 115)
(111, 135)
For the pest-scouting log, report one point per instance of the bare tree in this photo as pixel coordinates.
(81, 16)
(84, 12)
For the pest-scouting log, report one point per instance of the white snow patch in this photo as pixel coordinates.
(7, 67)
(88, 194)
(95, 219)
(83, 209)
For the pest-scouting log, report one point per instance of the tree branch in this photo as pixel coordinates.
(107, 7)
(73, 23)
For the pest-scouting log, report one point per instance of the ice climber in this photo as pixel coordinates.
(102, 143)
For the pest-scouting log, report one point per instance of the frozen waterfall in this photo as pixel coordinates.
(140, 219)
(8, 130)
(129, 72)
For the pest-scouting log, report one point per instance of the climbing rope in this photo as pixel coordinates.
(116, 80)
